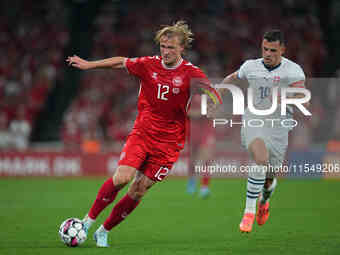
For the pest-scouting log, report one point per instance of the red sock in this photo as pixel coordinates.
(106, 194)
(122, 209)
(205, 181)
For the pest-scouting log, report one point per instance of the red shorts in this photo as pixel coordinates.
(153, 159)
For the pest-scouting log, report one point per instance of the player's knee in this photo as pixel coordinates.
(139, 187)
(139, 194)
(259, 152)
(121, 179)
(123, 176)
(261, 159)
(136, 191)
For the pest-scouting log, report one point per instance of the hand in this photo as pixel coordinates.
(212, 110)
(78, 62)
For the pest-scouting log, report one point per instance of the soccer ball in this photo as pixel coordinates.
(72, 232)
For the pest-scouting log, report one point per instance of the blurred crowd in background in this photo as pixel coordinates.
(33, 39)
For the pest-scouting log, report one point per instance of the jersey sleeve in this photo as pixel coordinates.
(296, 78)
(136, 66)
(242, 72)
(202, 85)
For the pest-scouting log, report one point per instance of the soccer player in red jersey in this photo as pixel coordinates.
(158, 135)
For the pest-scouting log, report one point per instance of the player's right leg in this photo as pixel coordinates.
(256, 180)
(124, 207)
(108, 192)
(131, 158)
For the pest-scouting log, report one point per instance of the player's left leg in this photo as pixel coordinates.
(268, 189)
(263, 204)
(124, 207)
(277, 149)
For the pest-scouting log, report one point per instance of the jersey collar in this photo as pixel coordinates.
(174, 67)
(271, 68)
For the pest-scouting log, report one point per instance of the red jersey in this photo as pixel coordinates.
(164, 97)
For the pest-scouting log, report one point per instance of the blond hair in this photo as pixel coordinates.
(180, 29)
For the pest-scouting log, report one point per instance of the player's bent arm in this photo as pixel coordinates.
(230, 79)
(114, 62)
(299, 84)
(212, 107)
(300, 95)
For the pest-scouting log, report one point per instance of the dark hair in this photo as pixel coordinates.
(274, 35)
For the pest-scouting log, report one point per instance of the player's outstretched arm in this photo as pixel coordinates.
(114, 62)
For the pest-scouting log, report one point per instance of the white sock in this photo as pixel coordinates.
(254, 188)
(88, 221)
(266, 193)
(255, 184)
(102, 229)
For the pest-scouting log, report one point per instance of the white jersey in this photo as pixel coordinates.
(262, 80)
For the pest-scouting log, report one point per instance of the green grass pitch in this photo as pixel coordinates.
(305, 219)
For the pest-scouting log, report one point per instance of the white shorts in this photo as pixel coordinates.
(275, 139)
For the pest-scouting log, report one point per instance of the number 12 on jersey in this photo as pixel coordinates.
(162, 91)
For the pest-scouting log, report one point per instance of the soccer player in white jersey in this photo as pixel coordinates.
(267, 145)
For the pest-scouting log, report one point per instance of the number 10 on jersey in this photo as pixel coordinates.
(265, 91)
(162, 91)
